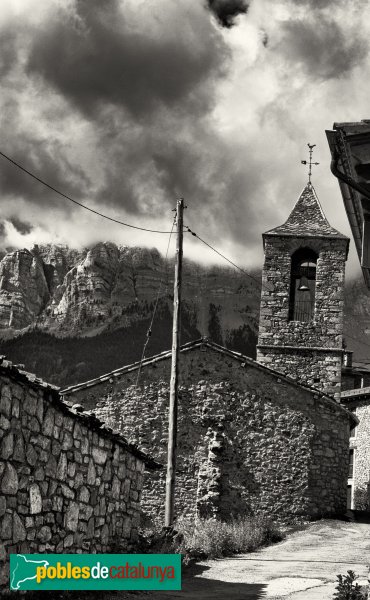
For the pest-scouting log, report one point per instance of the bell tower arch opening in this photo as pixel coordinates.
(303, 285)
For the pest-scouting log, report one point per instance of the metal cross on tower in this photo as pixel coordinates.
(309, 162)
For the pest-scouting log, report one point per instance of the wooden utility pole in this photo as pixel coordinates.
(172, 421)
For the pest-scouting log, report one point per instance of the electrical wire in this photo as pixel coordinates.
(96, 212)
(113, 220)
(222, 255)
(149, 332)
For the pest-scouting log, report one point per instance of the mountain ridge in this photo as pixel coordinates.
(55, 292)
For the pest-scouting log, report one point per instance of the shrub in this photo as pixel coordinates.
(210, 538)
(347, 589)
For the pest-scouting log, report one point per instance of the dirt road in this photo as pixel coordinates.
(303, 567)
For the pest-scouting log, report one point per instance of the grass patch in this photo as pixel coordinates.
(210, 538)
(213, 539)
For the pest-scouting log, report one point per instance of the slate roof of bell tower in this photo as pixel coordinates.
(307, 219)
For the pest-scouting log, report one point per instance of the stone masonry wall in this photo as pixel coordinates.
(324, 331)
(361, 446)
(310, 367)
(248, 440)
(65, 487)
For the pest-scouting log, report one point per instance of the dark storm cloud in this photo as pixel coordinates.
(113, 103)
(226, 11)
(102, 60)
(21, 226)
(47, 161)
(170, 165)
(323, 48)
(8, 52)
(208, 174)
(125, 79)
(215, 185)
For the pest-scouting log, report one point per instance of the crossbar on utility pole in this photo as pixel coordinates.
(172, 421)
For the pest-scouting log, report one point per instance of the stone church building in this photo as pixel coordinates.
(264, 436)
(301, 321)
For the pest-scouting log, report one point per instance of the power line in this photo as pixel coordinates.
(222, 255)
(104, 216)
(96, 212)
(149, 332)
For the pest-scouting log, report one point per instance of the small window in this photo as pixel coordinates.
(351, 461)
(303, 285)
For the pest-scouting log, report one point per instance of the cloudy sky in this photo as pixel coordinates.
(128, 104)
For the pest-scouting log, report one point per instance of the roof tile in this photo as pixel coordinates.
(307, 218)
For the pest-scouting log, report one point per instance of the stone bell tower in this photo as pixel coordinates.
(301, 318)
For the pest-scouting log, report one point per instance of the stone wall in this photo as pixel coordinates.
(249, 439)
(360, 443)
(279, 338)
(66, 484)
(313, 367)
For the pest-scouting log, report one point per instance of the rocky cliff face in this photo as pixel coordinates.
(68, 293)
(24, 291)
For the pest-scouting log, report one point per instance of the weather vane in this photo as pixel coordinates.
(310, 163)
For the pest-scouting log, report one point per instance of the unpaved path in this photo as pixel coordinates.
(303, 567)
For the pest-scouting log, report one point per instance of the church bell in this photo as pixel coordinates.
(303, 284)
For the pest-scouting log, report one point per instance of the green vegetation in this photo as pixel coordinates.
(213, 539)
(347, 589)
(243, 340)
(67, 360)
(210, 538)
(214, 325)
